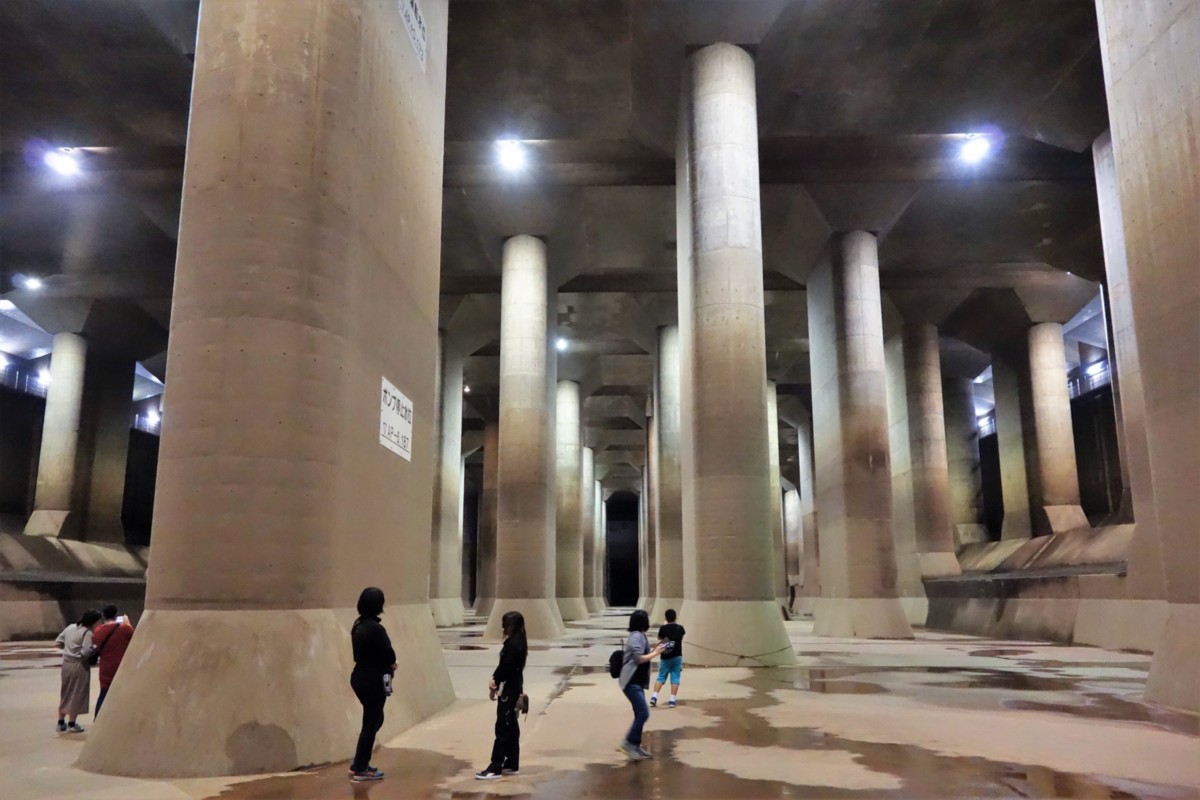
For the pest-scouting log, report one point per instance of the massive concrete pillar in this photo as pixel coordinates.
(85, 444)
(649, 515)
(668, 510)
(850, 421)
(485, 546)
(927, 452)
(793, 526)
(445, 573)
(1136, 620)
(296, 465)
(904, 523)
(1010, 442)
(587, 525)
(646, 568)
(962, 457)
(1152, 75)
(810, 566)
(1049, 440)
(526, 509)
(778, 533)
(568, 553)
(600, 561)
(732, 616)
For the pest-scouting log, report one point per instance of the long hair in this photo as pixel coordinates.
(639, 621)
(89, 618)
(513, 623)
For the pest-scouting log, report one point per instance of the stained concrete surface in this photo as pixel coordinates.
(939, 716)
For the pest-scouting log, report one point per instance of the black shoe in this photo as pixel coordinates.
(368, 774)
(488, 774)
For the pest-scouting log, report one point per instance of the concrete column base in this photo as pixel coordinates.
(595, 605)
(645, 604)
(806, 606)
(658, 614)
(916, 610)
(542, 619)
(785, 607)
(1120, 624)
(1059, 519)
(938, 565)
(861, 618)
(966, 533)
(447, 611)
(572, 608)
(254, 691)
(735, 633)
(1175, 671)
(483, 606)
(47, 523)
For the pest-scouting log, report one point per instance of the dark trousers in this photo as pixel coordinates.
(506, 752)
(641, 712)
(100, 700)
(370, 694)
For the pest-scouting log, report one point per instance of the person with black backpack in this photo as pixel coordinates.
(634, 678)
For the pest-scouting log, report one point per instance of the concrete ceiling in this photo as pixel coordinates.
(862, 104)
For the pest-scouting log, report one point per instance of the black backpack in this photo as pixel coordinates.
(615, 661)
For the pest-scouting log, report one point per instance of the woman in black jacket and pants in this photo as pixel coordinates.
(508, 681)
(374, 665)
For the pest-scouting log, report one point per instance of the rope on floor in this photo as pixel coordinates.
(740, 656)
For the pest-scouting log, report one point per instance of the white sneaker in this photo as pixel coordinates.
(671, 703)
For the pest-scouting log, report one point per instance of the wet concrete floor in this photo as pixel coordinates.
(727, 746)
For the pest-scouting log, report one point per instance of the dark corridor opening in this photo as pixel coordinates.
(621, 538)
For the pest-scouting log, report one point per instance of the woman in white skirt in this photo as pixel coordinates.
(75, 696)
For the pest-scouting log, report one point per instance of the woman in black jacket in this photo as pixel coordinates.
(374, 665)
(508, 682)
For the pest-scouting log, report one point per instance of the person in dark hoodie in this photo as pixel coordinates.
(508, 682)
(374, 666)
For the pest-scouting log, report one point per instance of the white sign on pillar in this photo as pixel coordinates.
(414, 21)
(395, 421)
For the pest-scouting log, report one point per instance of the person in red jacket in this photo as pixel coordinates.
(112, 640)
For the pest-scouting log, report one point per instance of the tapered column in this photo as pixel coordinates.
(525, 517)
(778, 536)
(729, 589)
(645, 549)
(445, 574)
(668, 510)
(485, 546)
(810, 589)
(57, 494)
(296, 464)
(568, 554)
(793, 527)
(1152, 75)
(927, 452)
(962, 454)
(648, 513)
(1050, 441)
(85, 444)
(1010, 442)
(853, 475)
(588, 524)
(600, 565)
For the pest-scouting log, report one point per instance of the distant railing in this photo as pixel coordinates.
(148, 423)
(22, 380)
(987, 424)
(1089, 378)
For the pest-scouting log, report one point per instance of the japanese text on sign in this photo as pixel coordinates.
(410, 10)
(395, 421)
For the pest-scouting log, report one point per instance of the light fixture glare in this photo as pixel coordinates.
(62, 162)
(33, 284)
(974, 149)
(511, 154)
(561, 344)
(43, 377)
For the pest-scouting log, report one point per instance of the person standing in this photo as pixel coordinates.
(75, 691)
(112, 639)
(506, 687)
(371, 680)
(635, 677)
(671, 665)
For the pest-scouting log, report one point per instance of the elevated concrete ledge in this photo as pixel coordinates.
(1101, 546)
(1117, 568)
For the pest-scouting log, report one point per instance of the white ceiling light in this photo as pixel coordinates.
(466, 389)
(560, 344)
(62, 161)
(32, 284)
(974, 149)
(511, 154)
(43, 378)
(153, 418)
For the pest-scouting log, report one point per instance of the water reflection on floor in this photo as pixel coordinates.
(736, 753)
